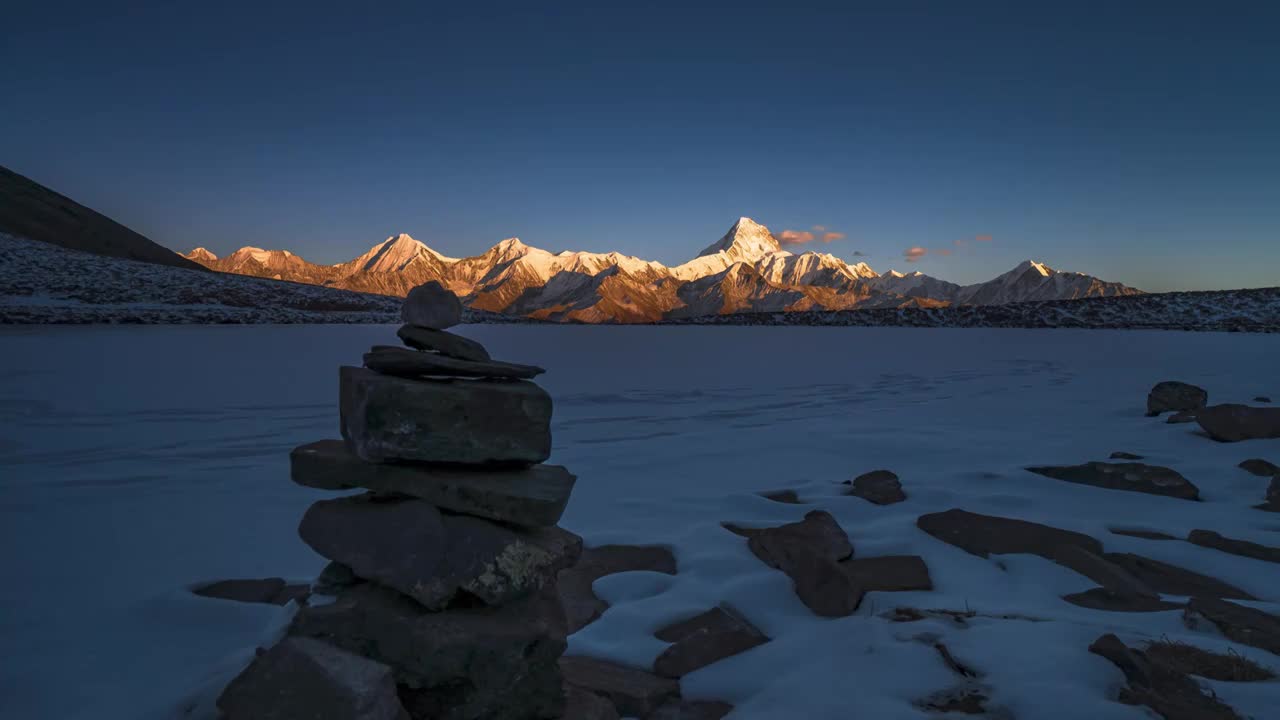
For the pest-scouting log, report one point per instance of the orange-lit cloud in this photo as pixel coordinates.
(832, 236)
(961, 243)
(913, 254)
(983, 238)
(801, 237)
(942, 251)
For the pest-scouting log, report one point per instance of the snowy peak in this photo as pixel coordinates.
(746, 241)
(395, 254)
(201, 256)
(1039, 268)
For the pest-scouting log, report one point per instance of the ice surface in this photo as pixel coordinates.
(137, 461)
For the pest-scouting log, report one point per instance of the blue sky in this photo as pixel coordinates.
(1137, 142)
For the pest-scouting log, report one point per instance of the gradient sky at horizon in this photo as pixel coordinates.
(1139, 142)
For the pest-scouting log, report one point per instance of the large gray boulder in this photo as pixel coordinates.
(1130, 476)
(445, 343)
(387, 418)
(402, 362)
(1233, 423)
(463, 663)
(1175, 396)
(432, 306)
(306, 678)
(809, 552)
(409, 545)
(530, 497)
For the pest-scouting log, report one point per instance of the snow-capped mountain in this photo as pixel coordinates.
(746, 270)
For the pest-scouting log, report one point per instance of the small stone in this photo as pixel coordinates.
(633, 692)
(1120, 455)
(273, 591)
(1130, 476)
(1210, 539)
(878, 486)
(985, 535)
(401, 362)
(1260, 467)
(702, 640)
(443, 342)
(581, 604)
(305, 678)
(387, 418)
(1174, 395)
(1242, 624)
(409, 545)
(889, 573)
(1233, 423)
(431, 305)
(1173, 580)
(334, 578)
(530, 497)
(809, 552)
(1182, 417)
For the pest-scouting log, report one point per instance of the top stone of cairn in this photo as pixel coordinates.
(431, 305)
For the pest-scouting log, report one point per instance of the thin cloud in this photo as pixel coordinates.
(983, 238)
(832, 236)
(819, 228)
(795, 237)
(942, 251)
(961, 243)
(859, 253)
(914, 254)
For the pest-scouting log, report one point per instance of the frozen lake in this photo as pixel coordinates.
(136, 461)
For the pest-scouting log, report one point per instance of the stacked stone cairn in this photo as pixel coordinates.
(439, 600)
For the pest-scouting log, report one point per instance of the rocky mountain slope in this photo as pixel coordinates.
(29, 209)
(744, 271)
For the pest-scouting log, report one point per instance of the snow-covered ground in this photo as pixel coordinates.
(136, 461)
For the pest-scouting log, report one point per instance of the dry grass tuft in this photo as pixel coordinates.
(1231, 666)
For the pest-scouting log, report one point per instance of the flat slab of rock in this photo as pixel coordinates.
(386, 418)
(431, 305)
(305, 678)
(1272, 502)
(1169, 692)
(704, 639)
(1173, 580)
(1260, 467)
(582, 705)
(530, 497)
(985, 535)
(889, 573)
(1130, 476)
(1233, 423)
(809, 552)
(881, 487)
(1119, 455)
(1107, 574)
(633, 692)
(691, 710)
(467, 662)
(1210, 539)
(1104, 599)
(445, 343)
(1242, 624)
(1175, 396)
(409, 545)
(1182, 417)
(1140, 533)
(788, 497)
(273, 591)
(402, 362)
(581, 605)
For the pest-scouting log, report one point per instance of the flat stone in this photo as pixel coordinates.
(581, 604)
(1174, 395)
(387, 418)
(1140, 533)
(443, 342)
(272, 591)
(889, 573)
(1120, 455)
(431, 305)
(334, 578)
(1110, 576)
(1130, 476)
(1242, 624)
(1233, 423)
(1104, 599)
(633, 692)
(809, 552)
(782, 496)
(1260, 467)
(985, 535)
(1171, 693)
(402, 362)
(691, 710)
(530, 497)
(466, 662)
(881, 487)
(582, 705)
(1173, 580)
(305, 678)
(1210, 539)
(704, 639)
(1181, 418)
(409, 545)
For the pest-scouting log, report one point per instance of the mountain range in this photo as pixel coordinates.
(746, 271)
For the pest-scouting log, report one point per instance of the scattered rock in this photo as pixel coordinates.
(1170, 693)
(1262, 399)
(301, 677)
(1180, 418)
(1110, 576)
(581, 605)
(273, 591)
(881, 487)
(966, 699)
(783, 496)
(985, 535)
(1173, 580)
(531, 497)
(1131, 476)
(458, 663)
(889, 573)
(691, 710)
(406, 363)
(699, 641)
(445, 343)
(1228, 667)
(387, 418)
(809, 552)
(1118, 455)
(1260, 467)
(1242, 624)
(633, 692)
(1140, 533)
(1173, 395)
(1233, 423)
(582, 705)
(334, 578)
(431, 306)
(1273, 496)
(1210, 539)
(1104, 599)
(409, 545)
